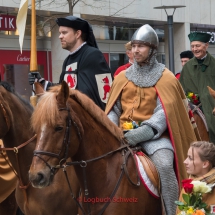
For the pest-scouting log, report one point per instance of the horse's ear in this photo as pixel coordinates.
(211, 91)
(38, 88)
(63, 94)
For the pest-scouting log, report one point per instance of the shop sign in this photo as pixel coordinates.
(7, 23)
(212, 40)
(22, 58)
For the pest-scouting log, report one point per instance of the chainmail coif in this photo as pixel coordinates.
(147, 75)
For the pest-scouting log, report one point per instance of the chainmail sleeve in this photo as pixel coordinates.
(116, 112)
(157, 121)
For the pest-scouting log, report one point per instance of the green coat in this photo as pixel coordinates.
(194, 80)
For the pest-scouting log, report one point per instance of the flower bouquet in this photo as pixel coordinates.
(193, 204)
(193, 98)
(126, 126)
(130, 125)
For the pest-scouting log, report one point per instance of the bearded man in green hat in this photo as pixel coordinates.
(198, 73)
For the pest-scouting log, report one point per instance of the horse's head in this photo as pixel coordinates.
(54, 121)
(212, 93)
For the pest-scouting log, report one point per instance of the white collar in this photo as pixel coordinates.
(204, 57)
(71, 53)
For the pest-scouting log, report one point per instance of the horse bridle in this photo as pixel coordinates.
(66, 143)
(125, 149)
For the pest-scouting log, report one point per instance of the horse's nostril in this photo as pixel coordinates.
(40, 177)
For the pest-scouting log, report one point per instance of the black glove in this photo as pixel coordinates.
(34, 77)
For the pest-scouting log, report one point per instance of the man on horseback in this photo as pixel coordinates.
(148, 95)
(85, 67)
(198, 73)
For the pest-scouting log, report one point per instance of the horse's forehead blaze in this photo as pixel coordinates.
(43, 129)
(42, 132)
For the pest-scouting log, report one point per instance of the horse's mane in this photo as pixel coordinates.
(10, 89)
(96, 113)
(47, 111)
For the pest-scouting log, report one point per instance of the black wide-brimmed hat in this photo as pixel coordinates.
(186, 54)
(79, 24)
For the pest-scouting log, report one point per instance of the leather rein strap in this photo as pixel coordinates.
(16, 150)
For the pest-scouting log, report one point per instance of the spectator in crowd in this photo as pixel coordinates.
(130, 59)
(185, 57)
(197, 74)
(200, 165)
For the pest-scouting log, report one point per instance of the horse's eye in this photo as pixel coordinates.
(58, 128)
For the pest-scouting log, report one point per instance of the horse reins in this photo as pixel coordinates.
(83, 164)
(16, 150)
(196, 107)
(66, 143)
(125, 149)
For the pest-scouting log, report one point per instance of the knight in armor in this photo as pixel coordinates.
(85, 68)
(198, 73)
(148, 95)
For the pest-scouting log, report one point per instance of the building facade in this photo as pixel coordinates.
(114, 22)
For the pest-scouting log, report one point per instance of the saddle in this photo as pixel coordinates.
(152, 174)
(197, 109)
(150, 170)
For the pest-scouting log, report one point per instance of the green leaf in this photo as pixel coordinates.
(179, 203)
(192, 199)
(203, 205)
(186, 198)
(181, 207)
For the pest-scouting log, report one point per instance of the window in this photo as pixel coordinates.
(117, 60)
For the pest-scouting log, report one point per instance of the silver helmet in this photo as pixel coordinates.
(147, 35)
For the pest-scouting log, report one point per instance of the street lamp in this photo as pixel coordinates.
(170, 33)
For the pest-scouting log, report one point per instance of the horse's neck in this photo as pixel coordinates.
(97, 140)
(98, 172)
(20, 132)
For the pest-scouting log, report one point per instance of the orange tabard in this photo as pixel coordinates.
(138, 103)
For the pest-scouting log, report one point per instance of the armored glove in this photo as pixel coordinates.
(139, 135)
(34, 77)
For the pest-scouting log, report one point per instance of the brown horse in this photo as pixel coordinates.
(200, 122)
(17, 135)
(212, 93)
(103, 162)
